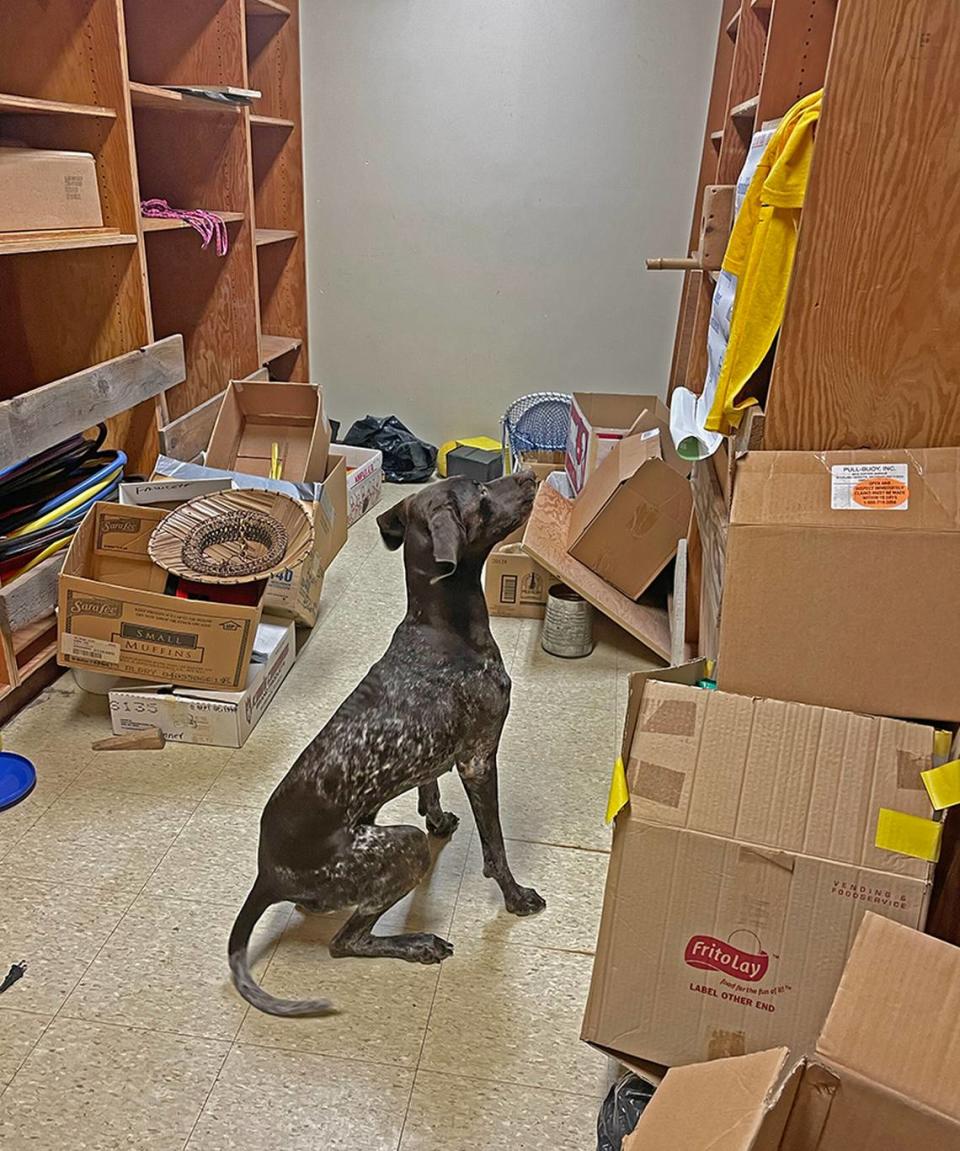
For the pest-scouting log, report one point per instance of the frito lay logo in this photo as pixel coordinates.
(710, 954)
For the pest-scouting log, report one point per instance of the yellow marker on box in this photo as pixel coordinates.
(943, 784)
(619, 795)
(908, 834)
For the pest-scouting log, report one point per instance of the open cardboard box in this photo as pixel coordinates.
(212, 718)
(598, 421)
(114, 617)
(840, 583)
(884, 1076)
(514, 584)
(742, 866)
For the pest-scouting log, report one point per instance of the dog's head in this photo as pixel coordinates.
(457, 520)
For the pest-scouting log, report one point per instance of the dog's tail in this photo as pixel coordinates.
(255, 905)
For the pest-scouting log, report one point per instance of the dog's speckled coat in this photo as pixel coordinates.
(438, 698)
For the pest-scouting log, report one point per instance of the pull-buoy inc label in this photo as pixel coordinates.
(874, 487)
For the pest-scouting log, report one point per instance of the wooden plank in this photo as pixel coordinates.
(732, 25)
(867, 356)
(21, 243)
(696, 368)
(273, 347)
(163, 100)
(744, 87)
(267, 8)
(272, 123)
(32, 596)
(187, 436)
(33, 679)
(798, 47)
(716, 223)
(712, 527)
(160, 224)
(28, 106)
(746, 109)
(45, 416)
(275, 236)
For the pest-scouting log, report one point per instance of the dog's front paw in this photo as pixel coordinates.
(443, 827)
(524, 901)
(428, 949)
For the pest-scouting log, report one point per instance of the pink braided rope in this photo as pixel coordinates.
(208, 224)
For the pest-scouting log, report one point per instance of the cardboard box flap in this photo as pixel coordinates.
(610, 410)
(718, 1106)
(653, 419)
(894, 1017)
(896, 489)
(619, 466)
(686, 673)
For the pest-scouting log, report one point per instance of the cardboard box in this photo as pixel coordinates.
(364, 479)
(46, 190)
(632, 512)
(885, 1075)
(542, 464)
(255, 416)
(598, 421)
(514, 585)
(212, 718)
(841, 585)
(113, 616)
(743, 865)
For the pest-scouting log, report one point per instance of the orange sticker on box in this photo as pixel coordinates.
(873, 487)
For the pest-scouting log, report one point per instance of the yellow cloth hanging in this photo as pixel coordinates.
(760, 254)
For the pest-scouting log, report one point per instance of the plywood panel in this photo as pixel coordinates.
(185, 41)
(798, 47)
(868, 355)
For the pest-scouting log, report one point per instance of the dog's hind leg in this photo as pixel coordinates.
(384, 865)
(479, 777)
(439, 822)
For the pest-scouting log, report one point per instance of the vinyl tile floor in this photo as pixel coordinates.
(121, 874)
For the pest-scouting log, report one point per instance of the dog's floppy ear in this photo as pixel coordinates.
(393, 525)
(446, 534)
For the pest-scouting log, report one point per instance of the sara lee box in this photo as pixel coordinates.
(632, 512)
(885, 1074)
(841, 580)
(598, 421)
(743, 865)
(43, 189)
(113, 616)
(213, 718)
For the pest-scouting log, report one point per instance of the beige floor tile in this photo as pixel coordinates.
(89, 1086)
(513, 1014)
(570, 880)
(54, 775)
(278, 1101)
(178, 772)
(98, 839)
(165, 967)
(62, 719)
(383, 1004)
(19, 1032)
(449, 1113)
(214, 859)
(248, 780)
(58, 930)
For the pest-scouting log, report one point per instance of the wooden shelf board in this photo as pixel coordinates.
(273, 347)
(761, 5)
(27, 106)
(274, 236)
(716, 138)
(734, 24)
(159, 224)
(745, 111)
(267, 8)
(17, 243)
(162, 99)
(272, 122)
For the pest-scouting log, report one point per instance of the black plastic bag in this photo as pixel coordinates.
(621, 1110)
(406, 459)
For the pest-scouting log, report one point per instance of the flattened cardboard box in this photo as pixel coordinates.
(113, 616)
(214, 719)
(632, 513)
(885, 1075)
(598, 421)
(840, 584)
(742, 867)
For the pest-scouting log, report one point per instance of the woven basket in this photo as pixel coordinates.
(233, 537)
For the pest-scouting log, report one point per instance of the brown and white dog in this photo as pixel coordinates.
(437, 699)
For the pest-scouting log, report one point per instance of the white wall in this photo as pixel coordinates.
(484, 181)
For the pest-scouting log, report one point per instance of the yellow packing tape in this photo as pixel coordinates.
(943, 784)
(908, 834)
(619, 796)
(941, 745)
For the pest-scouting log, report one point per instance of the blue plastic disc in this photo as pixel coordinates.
(17, 777)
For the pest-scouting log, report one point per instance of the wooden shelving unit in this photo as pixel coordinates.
(87, 75)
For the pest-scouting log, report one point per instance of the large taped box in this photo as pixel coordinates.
(599, 421)
(743, 864)
(114, 617)
(840, 584)
(47, 190)
(884, 1075)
